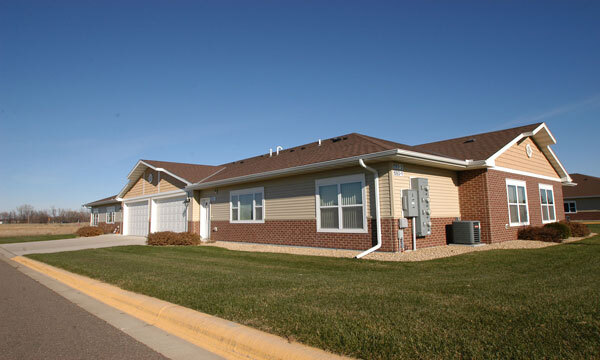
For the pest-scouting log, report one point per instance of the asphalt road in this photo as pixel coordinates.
(36, 323)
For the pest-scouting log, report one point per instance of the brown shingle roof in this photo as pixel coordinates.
(191, 172)
(331, 149)
(478, 146)
(345, 146)
(586, 186)
(106, 200)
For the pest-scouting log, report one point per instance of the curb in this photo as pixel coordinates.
(222, 337)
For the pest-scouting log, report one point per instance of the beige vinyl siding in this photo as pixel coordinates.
(169, 183)
(143, 187)
(293, 197)
(443, 189)
(516, 158)
(194, 207)
(136, 189)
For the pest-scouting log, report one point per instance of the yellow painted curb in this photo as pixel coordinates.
(222, 337)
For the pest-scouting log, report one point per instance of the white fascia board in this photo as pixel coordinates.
(460, 164)
(141, 162)
(562, 168)
(507, 146)
(544, 127)
(525, 173)
(167, 194)
(166, 171)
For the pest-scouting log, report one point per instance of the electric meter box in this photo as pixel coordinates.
(423, 221)
(410, 206)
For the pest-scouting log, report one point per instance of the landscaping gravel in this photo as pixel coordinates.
(429, 253)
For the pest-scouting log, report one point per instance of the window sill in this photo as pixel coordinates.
(519, 224)
(247, 222)
(343, 231)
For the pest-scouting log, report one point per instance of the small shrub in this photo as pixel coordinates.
(108, 228)
(541, 233)
(164, 238)
(88, 231)
(577, 229)
(565, 230)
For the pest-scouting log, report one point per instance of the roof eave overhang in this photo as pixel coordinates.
(387, 155)
(100, 203)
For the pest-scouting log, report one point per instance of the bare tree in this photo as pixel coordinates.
(25, 212)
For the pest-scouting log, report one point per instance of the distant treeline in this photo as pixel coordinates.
(27, 214)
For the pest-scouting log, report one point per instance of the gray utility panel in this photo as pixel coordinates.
(410, 206)
(423, 220)
(466, 232)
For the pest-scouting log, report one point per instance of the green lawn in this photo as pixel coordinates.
(19, 239)
(542, 303)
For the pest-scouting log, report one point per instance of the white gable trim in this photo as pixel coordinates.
(133, 179)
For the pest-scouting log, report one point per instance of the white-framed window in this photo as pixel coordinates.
(518, 211)
(547, 201)
(570, 207)
(110, 215)
(341, 204)
(95, 217)
(247, 206)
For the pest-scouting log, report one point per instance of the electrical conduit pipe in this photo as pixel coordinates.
(377, 215)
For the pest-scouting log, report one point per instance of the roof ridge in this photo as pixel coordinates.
(179, 163)
(482, 133)
(373, 140)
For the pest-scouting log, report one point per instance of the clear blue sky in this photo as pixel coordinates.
(88, 88)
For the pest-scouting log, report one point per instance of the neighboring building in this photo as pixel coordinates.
(582, 202)
(107, 210)
(319, 195)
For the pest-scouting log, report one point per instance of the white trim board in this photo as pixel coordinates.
(155, 196)
(524, 173)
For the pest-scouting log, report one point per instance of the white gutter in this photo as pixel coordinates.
(377, 214)
(337, 162)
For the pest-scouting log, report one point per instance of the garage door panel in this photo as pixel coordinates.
(137, 218)
(171, 215)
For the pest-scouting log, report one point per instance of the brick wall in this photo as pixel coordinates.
(472, 192)
(304, 233)
(483, 197)
(439, 234)
(587, 215)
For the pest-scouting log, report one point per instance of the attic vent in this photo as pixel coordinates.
(345, 138)
(336, 139)
(302, 148)
(469, 141)
(292, 150)
(241, 162)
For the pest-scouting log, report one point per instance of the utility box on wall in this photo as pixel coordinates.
(423, 221)
(410, 206)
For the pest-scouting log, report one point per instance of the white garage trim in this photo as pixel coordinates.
(154, 196)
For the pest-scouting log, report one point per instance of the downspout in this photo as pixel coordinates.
(377, 213)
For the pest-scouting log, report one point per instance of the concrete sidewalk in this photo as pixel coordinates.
(51, 246)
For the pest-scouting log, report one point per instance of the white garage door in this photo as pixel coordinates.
(171, 215)
(137, 219)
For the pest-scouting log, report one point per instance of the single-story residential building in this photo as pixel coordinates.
(582, 202)
(107, 210)
(337, 193)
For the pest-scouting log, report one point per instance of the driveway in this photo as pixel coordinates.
(50, 246)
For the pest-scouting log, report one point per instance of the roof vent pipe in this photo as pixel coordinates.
(377, 212)
(279, 148)
(319, 142)
(271, 152)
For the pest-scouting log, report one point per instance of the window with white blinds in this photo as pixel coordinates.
(341, 204)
